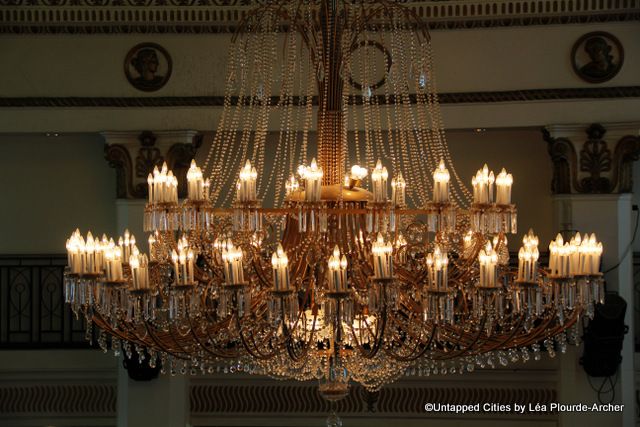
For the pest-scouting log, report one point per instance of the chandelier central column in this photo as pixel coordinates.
(331, 131)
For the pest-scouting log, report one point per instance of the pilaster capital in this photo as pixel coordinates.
(593, 159)
(134, 154)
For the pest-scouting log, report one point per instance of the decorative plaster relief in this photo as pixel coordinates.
(592, 166)
(134, 155)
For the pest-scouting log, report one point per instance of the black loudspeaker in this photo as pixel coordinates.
(140, 371)
(603, 337)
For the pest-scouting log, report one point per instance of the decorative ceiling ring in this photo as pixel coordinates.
(388, 61)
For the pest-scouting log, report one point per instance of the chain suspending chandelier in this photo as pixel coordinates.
(357, 273)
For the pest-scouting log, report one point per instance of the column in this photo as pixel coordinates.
(592, 184)
(164, 401)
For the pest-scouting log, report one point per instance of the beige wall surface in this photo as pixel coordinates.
(471, 60)
(495, 59)
(50, 186)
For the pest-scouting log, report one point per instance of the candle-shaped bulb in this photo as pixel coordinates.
(382, 258)
(500, 241)
(437, 269)
(163, 185)
(232, 259)
(358, 173)
(504, 181)
(192, 173)
(292, 185)
(441, 180)
(488, 260)
(560, 256)
(379, 177)
(337, 276)
(483, 186)
(586, 260)
(195, 182)
(247, 183)
(559, 240)
(133, 262)
(312, 177)
(398, 190)
(528, 258)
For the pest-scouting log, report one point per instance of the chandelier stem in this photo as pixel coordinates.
(331, 143)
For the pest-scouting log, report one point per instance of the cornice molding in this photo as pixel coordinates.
(223, 16)
(525, 95)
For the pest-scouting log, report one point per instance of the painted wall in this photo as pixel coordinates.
(50, 186)
(524, 154)
(499, 59)
(508, 58)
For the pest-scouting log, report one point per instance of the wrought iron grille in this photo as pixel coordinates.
(32, 309)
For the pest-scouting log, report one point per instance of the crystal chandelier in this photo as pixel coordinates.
(357, 273)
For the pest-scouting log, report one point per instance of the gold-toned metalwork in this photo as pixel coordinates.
(335, 282)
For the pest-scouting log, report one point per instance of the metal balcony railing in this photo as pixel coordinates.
(32, 309)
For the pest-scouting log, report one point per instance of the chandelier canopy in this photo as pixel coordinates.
(356, 273)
